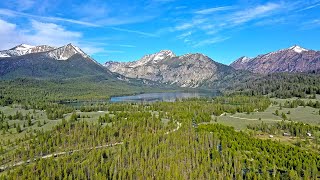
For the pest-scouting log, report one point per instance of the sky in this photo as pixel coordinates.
(126, 30)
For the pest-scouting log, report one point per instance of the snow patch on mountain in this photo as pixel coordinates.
(65, 52)
(190, 70)
(292, 59)
(245, 59)
(153, 58)
(3, 55)
(298, 49)
(24, 49)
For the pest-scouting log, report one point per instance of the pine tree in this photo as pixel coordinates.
(18, 128)
(29, 122)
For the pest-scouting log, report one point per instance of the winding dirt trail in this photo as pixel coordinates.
(4, 167)
(254, 119)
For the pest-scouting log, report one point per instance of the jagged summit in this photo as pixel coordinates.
(163, 54)
(60, 53)
(65, 52)
(150, 58)
(190, 70)
(49, 62)
(241, 61)
(292, 59)
(297, 49)
(244, 59)
(24, 49)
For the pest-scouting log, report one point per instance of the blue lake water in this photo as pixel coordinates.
(167, 96)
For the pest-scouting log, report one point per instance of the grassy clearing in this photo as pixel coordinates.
(238, 124)
(305, 143)
(300, 114)
(39, 116)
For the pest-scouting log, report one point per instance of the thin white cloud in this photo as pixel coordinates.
(210, 41)
(38, 33)
(110, 21)
(127, 45)
(9, 36)
(254, 13)
(184, 26)
(121, 20)
(134, 31)
(215, 9)
(8, 12)
(271, 21)
(204, 24)
(190, 25)
(315, 23)
(51, 34)
(184, 35)
(309, 7)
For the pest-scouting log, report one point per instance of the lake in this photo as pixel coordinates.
(166, 96)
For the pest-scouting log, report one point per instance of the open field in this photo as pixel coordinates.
(307, 115)
(75, 143)
(238, 124)
(300, 114)
(306, 143)
(38, 115)
(239, 120)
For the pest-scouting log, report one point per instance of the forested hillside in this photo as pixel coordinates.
(164, 140)
(280, 85)
(31, 91)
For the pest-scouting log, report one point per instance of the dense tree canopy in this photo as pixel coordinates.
(159, 141)
(281, 85)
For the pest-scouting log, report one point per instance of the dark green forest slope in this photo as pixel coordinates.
(280, 85)
(157, 141)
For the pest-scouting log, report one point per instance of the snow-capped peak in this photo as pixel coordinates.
(65, 52)
(244, 59)
(23, 47)
(61, 53)
(19, 50)
(297, 49)
(77, 49)
(163, 54)
(153, 58)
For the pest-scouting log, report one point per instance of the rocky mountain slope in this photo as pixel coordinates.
(48, 62)
(24, 49)
(293, 59)
(190, 70)
(67, 63)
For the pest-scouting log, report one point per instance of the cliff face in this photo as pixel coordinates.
(293, 59)
(191, 70)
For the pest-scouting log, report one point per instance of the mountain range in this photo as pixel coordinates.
(189, 70)
(48, 62)
(293, 59)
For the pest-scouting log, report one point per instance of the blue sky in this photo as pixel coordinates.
(125, 30)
